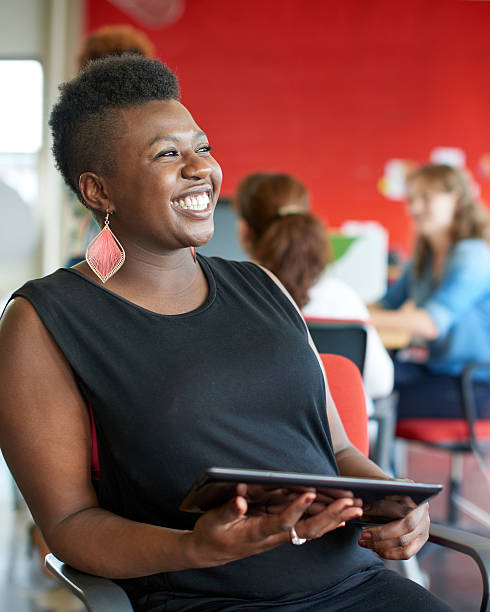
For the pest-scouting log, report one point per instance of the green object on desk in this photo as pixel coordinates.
(340, 244)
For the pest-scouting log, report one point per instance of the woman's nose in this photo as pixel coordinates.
(196, 167)
(415, 206)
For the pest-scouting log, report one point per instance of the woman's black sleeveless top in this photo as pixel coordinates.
(233, 383)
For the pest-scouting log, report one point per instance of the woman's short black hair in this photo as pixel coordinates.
(85, 120)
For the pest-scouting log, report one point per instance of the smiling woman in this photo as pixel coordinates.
(183, 363)
(163, 195)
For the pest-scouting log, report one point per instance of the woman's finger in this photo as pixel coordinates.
(389, 508)
(399, 539)
(335, 515)
(417, 519)
(282, 523)
(400, 548)
(234, 509)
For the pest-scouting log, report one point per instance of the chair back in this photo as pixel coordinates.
(346, 338)
(345, 383)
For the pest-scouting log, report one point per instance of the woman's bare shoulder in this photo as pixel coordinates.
(19, 308)
(20, 325)
(30, 360)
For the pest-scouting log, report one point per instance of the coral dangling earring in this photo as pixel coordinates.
(193, 251)
(105, 254)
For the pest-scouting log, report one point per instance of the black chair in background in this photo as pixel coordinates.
(346, 338)
(349, 339)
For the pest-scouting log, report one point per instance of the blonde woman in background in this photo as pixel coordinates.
(443, 297)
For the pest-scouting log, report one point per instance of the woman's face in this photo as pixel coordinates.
(166, 184)
(432, 210)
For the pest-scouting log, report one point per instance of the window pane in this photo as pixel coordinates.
(21, 106)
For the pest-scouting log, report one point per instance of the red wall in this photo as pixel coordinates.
(329, 90)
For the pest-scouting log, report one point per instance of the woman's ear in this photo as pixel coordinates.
(93, 191)
(246, 234)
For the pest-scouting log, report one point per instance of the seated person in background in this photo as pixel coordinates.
(277, 230)
(114, 40)
(443, 297)
(184, 362)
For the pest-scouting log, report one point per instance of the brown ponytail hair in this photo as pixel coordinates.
(285, 237)
(114, 40)
(470, 218)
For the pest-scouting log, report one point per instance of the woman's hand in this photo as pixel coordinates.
(227, 534)
(392, 507)
(399, 539)
(263, 500)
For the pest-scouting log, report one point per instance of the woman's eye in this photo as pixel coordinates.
(167, 153)
(204, 149)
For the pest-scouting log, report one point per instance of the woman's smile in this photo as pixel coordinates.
(195, 202)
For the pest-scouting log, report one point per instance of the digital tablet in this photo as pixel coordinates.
(269, 491)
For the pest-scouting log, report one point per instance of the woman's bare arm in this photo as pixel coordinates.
(46, 441)
(408, 318)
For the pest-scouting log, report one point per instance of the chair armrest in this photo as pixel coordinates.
(476, 546)
(469, 405)
(385, 415)
(98, 594)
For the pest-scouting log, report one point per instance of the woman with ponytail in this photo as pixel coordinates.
(277, 230)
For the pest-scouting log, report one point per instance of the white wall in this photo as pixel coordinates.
(21, 28)
(50, 31)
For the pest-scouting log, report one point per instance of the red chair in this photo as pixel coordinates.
(345, 383)
(457, 436)
(349, 339)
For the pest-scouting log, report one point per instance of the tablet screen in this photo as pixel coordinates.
(270, 491)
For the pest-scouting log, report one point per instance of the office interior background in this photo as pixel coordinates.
(344, 94)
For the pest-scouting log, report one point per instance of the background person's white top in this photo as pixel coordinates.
(331, 298)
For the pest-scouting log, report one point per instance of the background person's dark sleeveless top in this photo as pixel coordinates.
(233, 383)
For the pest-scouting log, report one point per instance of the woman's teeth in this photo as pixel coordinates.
(198, 202)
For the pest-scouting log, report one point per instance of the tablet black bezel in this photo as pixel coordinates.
(419, 492)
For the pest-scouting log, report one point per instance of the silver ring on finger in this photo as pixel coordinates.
(295, 539)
